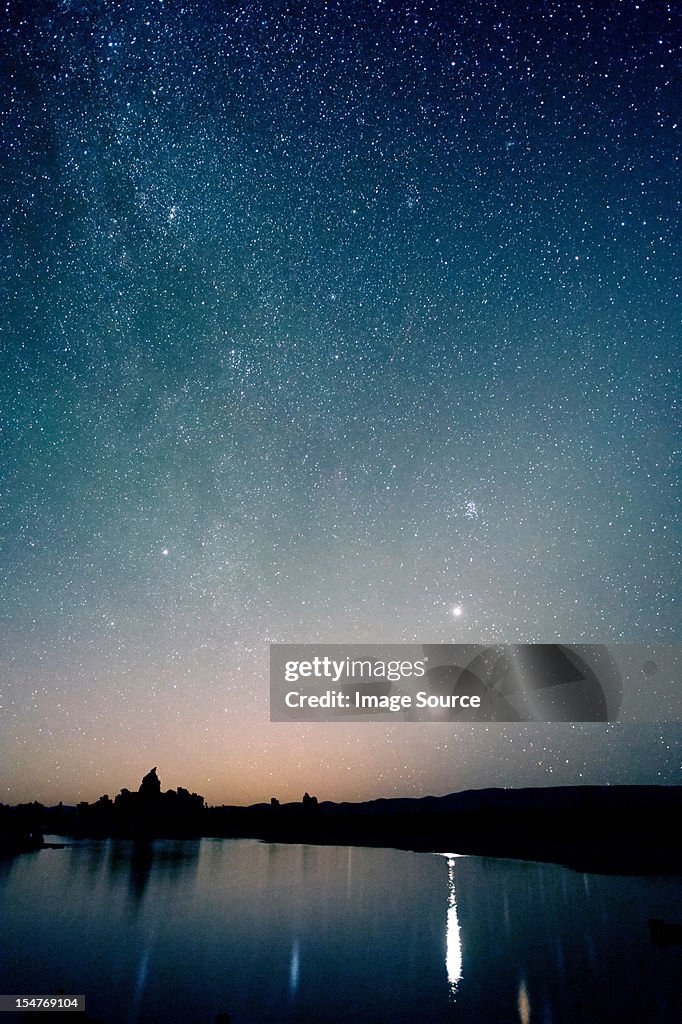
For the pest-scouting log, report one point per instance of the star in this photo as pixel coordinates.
(308, 311)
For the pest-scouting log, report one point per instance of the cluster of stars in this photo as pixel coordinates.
(353, 322)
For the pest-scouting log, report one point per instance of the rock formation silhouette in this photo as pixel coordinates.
(622, 828)
(150, 787)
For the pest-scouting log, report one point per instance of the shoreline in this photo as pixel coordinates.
(588, 828)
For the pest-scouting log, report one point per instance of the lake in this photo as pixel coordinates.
(183, 931)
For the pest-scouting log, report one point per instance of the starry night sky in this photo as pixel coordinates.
(320, 321)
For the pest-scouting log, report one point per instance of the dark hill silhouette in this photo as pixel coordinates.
(606, 828)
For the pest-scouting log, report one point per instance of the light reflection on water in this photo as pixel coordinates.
(453, 942)
(275, 933)
(294, 968)
(523, 1003)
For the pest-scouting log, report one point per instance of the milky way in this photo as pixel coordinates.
(329, 321)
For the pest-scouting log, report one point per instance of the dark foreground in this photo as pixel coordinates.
(618, 829)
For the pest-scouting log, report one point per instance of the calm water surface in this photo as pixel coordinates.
(182, 931)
